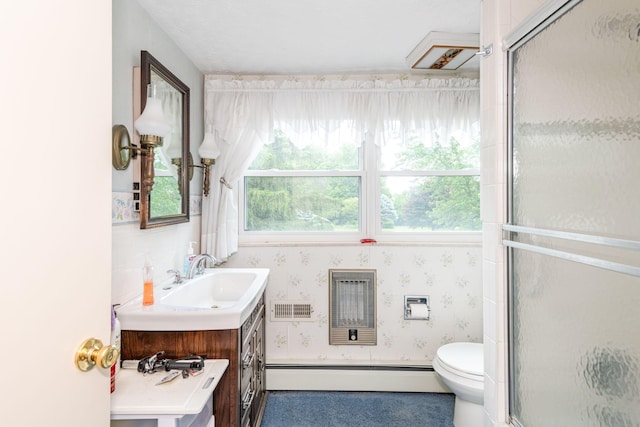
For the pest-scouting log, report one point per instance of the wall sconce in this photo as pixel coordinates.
(152, 127)
(123, 150)
(208, 152)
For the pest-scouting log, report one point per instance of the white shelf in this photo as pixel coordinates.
(138, 397)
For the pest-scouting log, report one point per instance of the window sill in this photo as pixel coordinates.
(445, 239)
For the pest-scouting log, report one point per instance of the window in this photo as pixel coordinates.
(332, 159)
(326, 186)
(430, 184)
(304, 185)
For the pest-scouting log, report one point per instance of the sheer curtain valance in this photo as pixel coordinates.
(244, 112)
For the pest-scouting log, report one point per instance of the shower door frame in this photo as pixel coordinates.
(538, 22)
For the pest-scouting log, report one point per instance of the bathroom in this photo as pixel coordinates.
(105, 265)
(448, 271)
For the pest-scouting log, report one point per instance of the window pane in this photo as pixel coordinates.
(434, 203)
(307, 153)
(413, 153)
(302, 203)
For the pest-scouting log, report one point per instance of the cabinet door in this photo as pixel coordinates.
(247, 374)
(259, 370)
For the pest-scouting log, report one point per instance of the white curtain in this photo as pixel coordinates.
(244, 111)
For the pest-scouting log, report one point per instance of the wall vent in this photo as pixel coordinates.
(352, 307)
(291, 311)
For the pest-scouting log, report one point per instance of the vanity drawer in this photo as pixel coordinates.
(248, 326)
(246, 405)
(246, 369)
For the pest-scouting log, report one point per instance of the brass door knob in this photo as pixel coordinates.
(92, 353)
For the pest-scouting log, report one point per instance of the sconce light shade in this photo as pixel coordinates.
(208, 152)
(152, 127)
(152, 121)
(209, 149)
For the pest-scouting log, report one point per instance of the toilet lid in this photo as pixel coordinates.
(463, 356)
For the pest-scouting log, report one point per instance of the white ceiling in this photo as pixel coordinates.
(305, 36)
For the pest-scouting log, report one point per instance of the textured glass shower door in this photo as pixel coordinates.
(574, 218)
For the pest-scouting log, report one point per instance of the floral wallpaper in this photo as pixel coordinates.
(122, 207)
(450, 275)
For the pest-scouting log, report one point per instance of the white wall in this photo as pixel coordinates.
(499, 18)
(449, 275)
(133, 31)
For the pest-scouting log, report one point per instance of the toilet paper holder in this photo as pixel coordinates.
(416, 307)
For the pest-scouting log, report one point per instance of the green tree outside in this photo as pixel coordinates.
(306, 203)
(441, 203)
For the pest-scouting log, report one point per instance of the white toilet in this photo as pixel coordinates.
(461, 367)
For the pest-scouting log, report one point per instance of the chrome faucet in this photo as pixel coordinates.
(195, 267)
(177, 277)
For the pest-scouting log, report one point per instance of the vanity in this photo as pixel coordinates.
(219, 314)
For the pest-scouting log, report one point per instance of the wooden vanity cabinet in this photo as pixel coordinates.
(240, 398)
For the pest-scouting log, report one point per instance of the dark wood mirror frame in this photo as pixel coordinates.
(148, 64)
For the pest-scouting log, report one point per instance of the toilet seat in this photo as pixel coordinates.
(463, 359)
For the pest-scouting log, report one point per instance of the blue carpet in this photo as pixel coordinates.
(355, 409)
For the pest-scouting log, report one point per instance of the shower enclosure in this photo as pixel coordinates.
(573, 235)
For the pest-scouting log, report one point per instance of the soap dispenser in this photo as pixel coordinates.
(147, 277)
(187, 259)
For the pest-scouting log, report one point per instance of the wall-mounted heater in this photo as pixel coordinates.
(352, 307)
(444, 51)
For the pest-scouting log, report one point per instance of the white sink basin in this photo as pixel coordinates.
(221, 298)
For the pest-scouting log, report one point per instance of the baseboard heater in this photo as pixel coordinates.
(347, 377)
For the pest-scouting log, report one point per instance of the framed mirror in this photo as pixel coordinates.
(168, 202)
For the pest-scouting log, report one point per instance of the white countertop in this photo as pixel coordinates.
(138, 394)
(219, 299)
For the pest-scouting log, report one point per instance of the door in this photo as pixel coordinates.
(55, 191)
(574, 233)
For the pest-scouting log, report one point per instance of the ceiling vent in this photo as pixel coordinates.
(444, 51)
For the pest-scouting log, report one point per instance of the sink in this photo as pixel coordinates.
(220, 289)
(221, 298)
